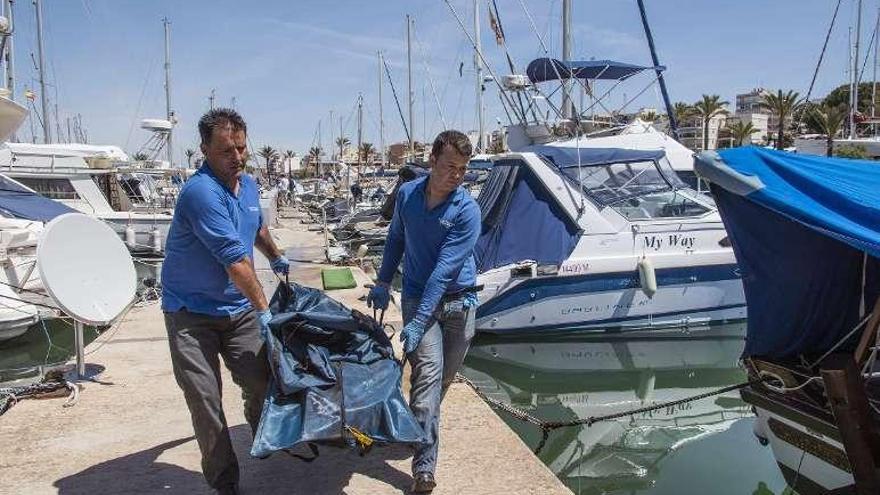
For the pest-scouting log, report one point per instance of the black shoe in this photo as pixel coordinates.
(423, 483)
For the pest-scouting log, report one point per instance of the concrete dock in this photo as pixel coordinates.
(132, 433)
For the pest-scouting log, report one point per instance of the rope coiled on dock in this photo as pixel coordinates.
(9, 396)
(548, 426)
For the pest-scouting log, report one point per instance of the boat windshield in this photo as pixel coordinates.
(636, 190)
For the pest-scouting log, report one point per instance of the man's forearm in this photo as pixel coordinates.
(266, 244)
(245, 278)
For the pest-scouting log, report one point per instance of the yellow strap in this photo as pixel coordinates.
(362, 438)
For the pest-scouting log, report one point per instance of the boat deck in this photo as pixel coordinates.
(131, 433)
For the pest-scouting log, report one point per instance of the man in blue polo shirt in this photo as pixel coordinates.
(434, 229)
(213, 302)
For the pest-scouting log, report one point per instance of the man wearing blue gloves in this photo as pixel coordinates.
(434, 229)
(213, 302)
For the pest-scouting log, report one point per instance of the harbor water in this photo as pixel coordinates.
(705, 446)
(49, 343)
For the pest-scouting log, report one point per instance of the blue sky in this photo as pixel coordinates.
(289, 63)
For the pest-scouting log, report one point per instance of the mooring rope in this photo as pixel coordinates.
(9, 396)
(548, 426)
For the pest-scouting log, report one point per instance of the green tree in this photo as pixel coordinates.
(315, 157)
(367, 150)
(741, 131)
(682, 112)
(709, 106)
(649, 116)
(342, 143)
(851, 151)
(828, 120)
(289, 155)
(140, 157)
(782, 105)
(269, 154)
(190, 153)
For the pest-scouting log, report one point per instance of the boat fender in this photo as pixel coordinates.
(647, 277)
(156, 236)
(130, 240)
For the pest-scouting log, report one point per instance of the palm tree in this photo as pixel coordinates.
(342, 143)
(270, 154)
(288, 157)
(741, 131)
(782, 105)
(829, 119)
(707, 108)
(682, 111)
(190, 153)
(367, 151)
(315, 156)
(140, 157)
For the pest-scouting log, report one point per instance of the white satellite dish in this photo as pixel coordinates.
(87, 271)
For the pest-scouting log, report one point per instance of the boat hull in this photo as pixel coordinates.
(615, 301)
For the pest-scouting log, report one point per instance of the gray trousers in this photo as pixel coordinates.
(434, 363)
(196, 341)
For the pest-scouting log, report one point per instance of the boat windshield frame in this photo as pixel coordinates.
(669, 183)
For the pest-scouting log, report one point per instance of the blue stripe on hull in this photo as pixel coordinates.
(535, 289)
(599, 325)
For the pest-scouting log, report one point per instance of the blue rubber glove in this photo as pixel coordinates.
(281, 265)
(379, 297)
(265, 317)
(412, 334)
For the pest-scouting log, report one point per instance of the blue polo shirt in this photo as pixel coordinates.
(212, 229)
(436, 245)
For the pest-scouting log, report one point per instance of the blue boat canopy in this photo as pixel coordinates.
(521, 220)
(590, 157)
(806, 234)
(17, 201)
(550, 69)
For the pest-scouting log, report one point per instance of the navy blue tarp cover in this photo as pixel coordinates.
(550, 69)
(333, 372)
(803, 229)
(521, 220)
(19, 202)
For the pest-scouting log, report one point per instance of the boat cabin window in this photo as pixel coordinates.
(636, 190)
(52, 188)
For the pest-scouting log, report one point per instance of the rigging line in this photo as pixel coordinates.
(483, 60)
(396, 99)
(867, 55)
(546, 53)
(822, 53)
(494, 6)
(140, 102)
(430, 79)
(534, 27)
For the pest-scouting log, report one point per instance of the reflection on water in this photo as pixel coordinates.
(700, 447)
(50, 343)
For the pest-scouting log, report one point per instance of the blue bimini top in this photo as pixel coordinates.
(212, 229)
(438, 244)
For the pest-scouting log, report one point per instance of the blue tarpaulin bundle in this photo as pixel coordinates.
(335, 380)
(806, 234)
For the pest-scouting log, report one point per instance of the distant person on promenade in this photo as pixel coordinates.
(213, 302)
(434, 229)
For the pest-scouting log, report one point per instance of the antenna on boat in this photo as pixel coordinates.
(854, 94)
(47, 128)
(169, 114)
(87, 271)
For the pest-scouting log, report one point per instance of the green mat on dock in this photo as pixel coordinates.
(338, 278)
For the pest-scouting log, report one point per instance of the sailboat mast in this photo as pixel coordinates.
(478, 65)
(47, 127)
(670, 114)
(168, 112)
(874, 78)
(381, 115)
(409, 91)
(360, 131)
(566, 57)
(854, 101)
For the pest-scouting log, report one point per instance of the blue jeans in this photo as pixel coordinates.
(434, 364)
